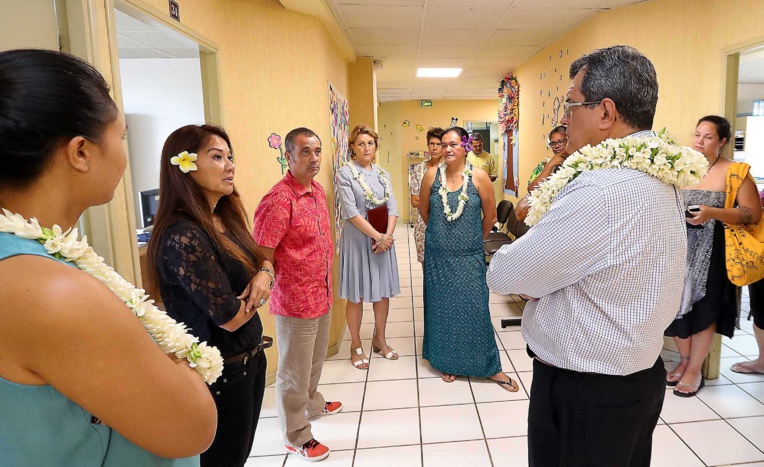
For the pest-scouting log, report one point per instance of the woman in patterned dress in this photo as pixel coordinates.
(435, 150)
(710, 302)
(458, 335)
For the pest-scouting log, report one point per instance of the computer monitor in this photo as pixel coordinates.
(149, 205)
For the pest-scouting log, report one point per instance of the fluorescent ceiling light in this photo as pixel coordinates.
(438, 72)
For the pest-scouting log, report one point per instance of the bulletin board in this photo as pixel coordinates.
(339, 115)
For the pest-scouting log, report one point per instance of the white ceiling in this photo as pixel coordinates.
(136, 39)
(487, 38)
(751, 66)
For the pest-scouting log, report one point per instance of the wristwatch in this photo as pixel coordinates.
(270, 273)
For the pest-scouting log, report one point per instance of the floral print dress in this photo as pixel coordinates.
(415, 184)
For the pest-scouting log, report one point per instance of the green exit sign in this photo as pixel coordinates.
(425, 103)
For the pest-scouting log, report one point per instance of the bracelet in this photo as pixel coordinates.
(270, 273)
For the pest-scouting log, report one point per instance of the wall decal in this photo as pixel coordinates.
(419, 128)
(274, 141)
(406, 123)
(454, 122)
(556, 111)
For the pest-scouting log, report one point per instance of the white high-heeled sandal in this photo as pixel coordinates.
(359, 363)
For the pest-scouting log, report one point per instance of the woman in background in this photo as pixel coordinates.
(558, 140)
(710, 302)
(368, 265)
(213, 277)
(435, 151)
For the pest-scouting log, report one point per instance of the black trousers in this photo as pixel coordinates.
(756, 294)
(238, 395)
(583, 419)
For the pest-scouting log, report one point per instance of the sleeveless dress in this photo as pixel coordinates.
(39, 426)
(708, 296)
(458, 333)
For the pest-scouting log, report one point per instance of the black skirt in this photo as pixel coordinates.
(720, 305)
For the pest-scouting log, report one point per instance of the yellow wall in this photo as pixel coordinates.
(685, 40)
(362, 95)
(400, 140)
(275, 67)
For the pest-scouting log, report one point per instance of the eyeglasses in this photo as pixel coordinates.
(568, 105)
(558, 142)
(433, 144)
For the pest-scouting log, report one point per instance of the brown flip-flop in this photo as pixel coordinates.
(510, 385)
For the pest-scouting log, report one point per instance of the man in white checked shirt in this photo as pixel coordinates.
(606, 267)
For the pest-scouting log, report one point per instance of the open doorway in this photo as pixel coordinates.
(166, 77)
(161, 80)
(749, 121)
(490, 133)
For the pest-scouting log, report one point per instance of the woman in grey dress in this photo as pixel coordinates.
(710, 302)
(368, 265)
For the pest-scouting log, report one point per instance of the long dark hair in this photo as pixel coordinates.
(181, 197)
(46, 98)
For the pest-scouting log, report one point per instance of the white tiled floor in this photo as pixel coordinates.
(399, 413)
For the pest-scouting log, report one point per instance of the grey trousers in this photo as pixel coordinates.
(302, 346)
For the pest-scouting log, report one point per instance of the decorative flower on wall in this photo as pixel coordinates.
(274, 141)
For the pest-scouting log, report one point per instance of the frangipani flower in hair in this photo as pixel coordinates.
(185, 161)
(467, 143)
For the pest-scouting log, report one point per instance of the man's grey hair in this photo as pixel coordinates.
(289, 140)
(624, 75)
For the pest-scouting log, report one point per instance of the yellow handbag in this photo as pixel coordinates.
(744, 244)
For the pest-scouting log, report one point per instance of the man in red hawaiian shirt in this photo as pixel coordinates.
(292, 228)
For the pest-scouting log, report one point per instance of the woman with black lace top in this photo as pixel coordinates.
(212, 277)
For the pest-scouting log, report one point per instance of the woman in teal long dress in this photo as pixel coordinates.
(458, 333)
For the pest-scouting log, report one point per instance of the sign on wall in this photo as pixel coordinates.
(174, 10)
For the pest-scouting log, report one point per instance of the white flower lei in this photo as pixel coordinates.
(369, 194)
(168, 334)
(659, 156)
(466, 174)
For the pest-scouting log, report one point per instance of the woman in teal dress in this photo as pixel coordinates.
(458, 334)
(81, 382)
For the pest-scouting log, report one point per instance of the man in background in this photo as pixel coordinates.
(479, 158)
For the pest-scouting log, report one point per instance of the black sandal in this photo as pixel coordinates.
(671, 384)
(690, 394)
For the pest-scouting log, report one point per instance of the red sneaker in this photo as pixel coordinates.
(312, 451)
(332, 408)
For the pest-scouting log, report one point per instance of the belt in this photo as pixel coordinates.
(245, 356)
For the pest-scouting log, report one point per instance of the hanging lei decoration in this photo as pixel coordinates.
(660, 156)
(168, 334)
(368, 193)
(509, 103)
